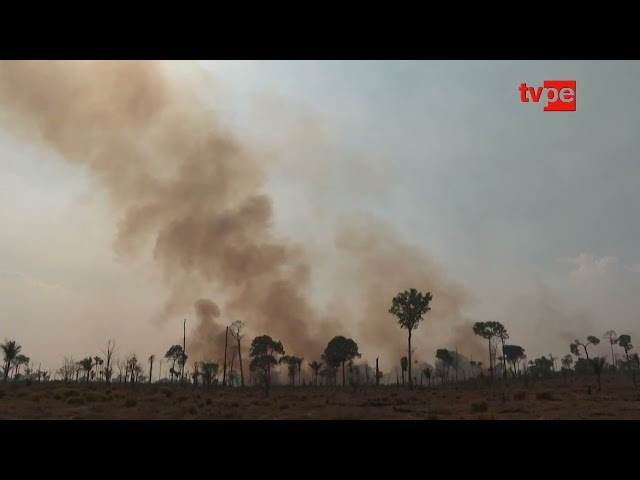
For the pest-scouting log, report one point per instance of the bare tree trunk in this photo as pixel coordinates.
(504, 362)
(184, 349)
(343, 382)
(490, 362)
(377, 373)
(613, 358)
(240, 360)
(224, 371)
(409, 366)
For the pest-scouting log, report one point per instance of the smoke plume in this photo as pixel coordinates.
(192, 193)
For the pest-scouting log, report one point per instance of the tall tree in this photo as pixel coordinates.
(488, 331)
(299, 362)
(236, 332)
(612, 336)
(591, 340)
(625, 342)
(96, 363)
(10, 350)
(567, 361)
(174, 354)
(513, 354)
(339, 351)
(404, 361)
(87, 365)
(501, 333)
(209, 372)
(263, 352)
(410, 307)
(108, 371)
(151, 360)
(598, 364)
(427, 374)
(446, 360)
(315, 366)
(19, 361)
(183, 359)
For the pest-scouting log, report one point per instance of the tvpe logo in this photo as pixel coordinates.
(560, 95)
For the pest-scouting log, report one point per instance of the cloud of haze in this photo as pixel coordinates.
(190, 195)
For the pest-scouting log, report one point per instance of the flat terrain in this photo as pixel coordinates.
(551, 399)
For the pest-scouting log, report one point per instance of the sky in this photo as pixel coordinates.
(532, 213)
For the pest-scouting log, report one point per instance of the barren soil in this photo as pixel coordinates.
(552, 399)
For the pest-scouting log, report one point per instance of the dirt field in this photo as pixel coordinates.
(553, 399)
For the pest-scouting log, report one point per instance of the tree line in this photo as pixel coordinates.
(507, 361)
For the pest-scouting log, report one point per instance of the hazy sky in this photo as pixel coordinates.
(534, 213)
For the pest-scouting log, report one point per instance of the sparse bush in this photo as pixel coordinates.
(478, 407)
(208, 402)
(520, 395)
(75, 401)
(2, 394)
(130, 402)
(56, 396)
(193, 410)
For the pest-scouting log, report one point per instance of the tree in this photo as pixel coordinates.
(625, 342)
(134, 368)
(87, 365)
(236, 332)
(263, 352)
(299, 362)
(598, 364)
(10, 350)
(68, 369)
(427, 373)
(489, 331)
(513, 354)
(339, 351)
(410, 306)
(96, 362)
(209, 371)
(502, 334)
(566, 362)
(591, 340)
(175, 354)
(612, 336)
(446, 360)
(315, 366)
(292, 364)
(18, 362)
(403, 366)
(108, 371)
(151, 360)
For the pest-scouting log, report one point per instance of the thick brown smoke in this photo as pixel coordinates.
(192, 193)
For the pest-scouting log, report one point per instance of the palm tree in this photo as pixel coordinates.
(97, 361)
(151, 359)
(315, 366)
(612, 336)
(10, 349)
(87, 365)
(18, 362)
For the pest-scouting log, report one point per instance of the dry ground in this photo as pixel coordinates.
(552, 399)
